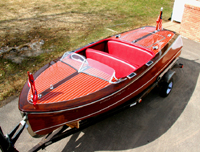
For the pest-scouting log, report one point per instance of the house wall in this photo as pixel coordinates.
(190, 25)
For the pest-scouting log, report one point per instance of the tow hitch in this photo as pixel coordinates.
(9, 140)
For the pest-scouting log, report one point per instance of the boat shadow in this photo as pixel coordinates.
(142, 124)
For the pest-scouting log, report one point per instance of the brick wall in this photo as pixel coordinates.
(190, 24)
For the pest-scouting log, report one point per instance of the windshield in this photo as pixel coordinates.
(89, 66)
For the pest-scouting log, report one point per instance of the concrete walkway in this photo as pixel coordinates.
(173, 26)
(156, 125)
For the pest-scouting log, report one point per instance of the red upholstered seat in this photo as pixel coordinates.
(134, 55)
(121, 67)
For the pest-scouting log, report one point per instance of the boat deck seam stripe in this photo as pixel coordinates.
(145, 36)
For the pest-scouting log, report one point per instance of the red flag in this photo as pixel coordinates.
(31, 82)
(159, 21)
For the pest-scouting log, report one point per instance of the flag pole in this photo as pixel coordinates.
(159, 20)
(33, 89)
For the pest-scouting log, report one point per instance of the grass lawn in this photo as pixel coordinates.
(65, 25)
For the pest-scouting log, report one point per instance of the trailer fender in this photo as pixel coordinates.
(168, 76)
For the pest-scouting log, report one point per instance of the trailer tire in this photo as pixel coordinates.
(166, 88)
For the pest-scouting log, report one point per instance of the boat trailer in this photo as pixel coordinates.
(8, 140)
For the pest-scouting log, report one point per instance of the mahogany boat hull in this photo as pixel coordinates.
(43, 122)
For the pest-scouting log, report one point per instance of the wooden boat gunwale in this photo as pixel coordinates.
(128, 82)
(110, 94)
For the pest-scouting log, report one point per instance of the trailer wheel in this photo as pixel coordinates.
(166, 88)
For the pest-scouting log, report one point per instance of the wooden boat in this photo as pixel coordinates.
(96, 78)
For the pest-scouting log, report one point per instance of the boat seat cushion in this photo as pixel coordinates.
(121, 67)
(135, 55)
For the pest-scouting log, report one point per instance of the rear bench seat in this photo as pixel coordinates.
(121, 67)
(134, 55)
